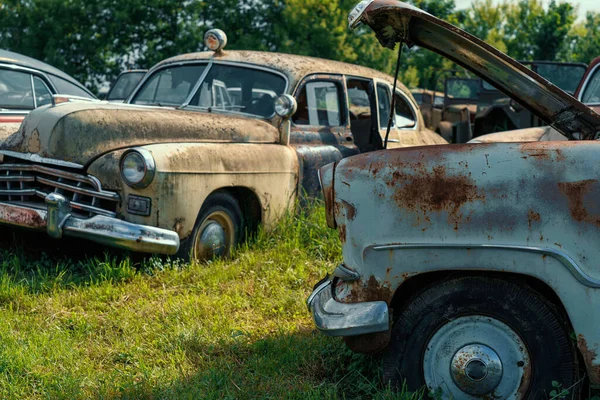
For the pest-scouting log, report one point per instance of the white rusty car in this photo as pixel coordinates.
(209, 146)
(474, 266)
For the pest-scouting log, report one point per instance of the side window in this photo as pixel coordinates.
(42, 93)
(383, 101)
(591, 93)
(65, 87)
(405, 116)
(15, 90)
(319, 105)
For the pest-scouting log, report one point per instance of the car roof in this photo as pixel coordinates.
(9, 57)
(293, 66)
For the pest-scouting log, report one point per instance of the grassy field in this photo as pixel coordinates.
(101, 326)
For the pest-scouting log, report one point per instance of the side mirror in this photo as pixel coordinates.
(285, 106)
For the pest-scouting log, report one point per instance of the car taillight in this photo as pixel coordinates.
(326, 174)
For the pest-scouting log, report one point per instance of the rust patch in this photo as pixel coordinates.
(589, 356)
(532, 216)
(575, 193)
(178, 226)
(348, 208)
(435, 191)
(21, 217)
(342, 232)
(371, 291)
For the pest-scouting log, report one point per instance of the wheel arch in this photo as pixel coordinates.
(249, 202)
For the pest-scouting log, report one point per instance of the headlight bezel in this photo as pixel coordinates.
(148, 164)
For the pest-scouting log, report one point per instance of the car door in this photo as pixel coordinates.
(320, 130)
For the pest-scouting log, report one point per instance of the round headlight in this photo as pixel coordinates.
(285, 106)
(137, 168)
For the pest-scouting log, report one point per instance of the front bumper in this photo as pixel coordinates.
(340, 319)
(58, 221)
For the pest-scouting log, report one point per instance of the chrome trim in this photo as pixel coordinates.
(33, 91)
(37, 159)
(149, 167)
(70, 97)
(585, 84)
(559, 255)
(58, 222)
(75, 189)
(346, 319)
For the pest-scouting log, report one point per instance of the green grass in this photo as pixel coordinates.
(104, 327)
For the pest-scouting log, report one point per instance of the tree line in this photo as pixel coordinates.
(94, 40)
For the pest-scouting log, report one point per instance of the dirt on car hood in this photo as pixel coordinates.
(394, 21)
(79, 132)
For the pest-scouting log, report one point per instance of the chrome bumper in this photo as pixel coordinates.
(58, 221)
(340, 319)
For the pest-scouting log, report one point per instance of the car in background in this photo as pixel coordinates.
(27, 83)
(588, 91)
(472, 267)
(124, 84)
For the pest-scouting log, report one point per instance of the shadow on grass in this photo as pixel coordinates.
(303, 365)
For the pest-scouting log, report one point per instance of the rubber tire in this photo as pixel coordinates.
(543, 330)
(218, 201)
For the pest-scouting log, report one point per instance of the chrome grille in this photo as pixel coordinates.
(29, 184)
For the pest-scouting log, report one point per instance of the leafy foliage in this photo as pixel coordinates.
(95, 40)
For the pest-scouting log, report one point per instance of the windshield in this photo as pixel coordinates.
(566, 77)
(591, 93)
(124, 85)
(225, 88)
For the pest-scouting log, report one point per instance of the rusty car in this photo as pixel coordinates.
(208, 146)
(471, 267)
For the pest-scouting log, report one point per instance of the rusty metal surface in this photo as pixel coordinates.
(526, 208)
(394, 21)
(22, 216)
(80, 132)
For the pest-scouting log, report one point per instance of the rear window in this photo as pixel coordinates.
(66, 87)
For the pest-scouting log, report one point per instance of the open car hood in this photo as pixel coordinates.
(394, 21)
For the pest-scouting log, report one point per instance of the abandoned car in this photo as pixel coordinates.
(26, 83)
(208, 146)
(472, 267)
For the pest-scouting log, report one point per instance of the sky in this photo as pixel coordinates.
(584, 5)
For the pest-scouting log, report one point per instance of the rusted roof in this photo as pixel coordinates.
(295, 67)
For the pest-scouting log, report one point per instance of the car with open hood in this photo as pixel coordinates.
(207, 146)
(472, 267)
(27, 83)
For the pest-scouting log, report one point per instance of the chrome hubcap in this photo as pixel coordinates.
(476, 369)
(213, 237)
(475, 357)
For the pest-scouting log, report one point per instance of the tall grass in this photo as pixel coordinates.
(104, 326)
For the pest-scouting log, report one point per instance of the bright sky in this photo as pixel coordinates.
(584, 5)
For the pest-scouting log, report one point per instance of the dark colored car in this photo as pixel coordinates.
(27, 83)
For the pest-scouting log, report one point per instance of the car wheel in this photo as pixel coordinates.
(218, 229)
(475, 337)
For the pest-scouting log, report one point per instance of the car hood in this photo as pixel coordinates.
(394, 21)
(79, 132)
